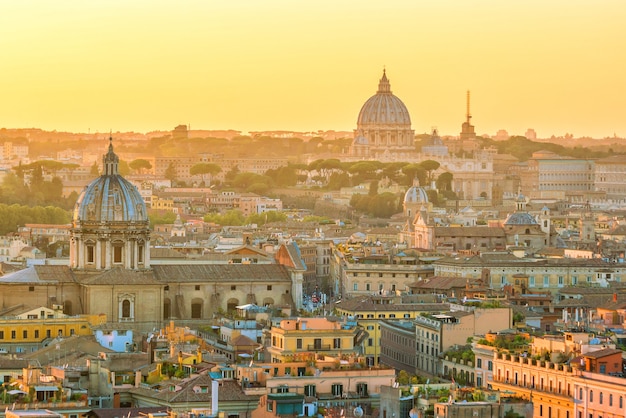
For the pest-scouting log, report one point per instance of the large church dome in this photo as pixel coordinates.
(110, 197)
(384, 108)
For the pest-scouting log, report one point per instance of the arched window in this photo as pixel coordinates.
(601, 398)
(591, 396)
(611, 399)
(126, 308)
(580, 394)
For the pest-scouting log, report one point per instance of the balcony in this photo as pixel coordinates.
(318, 347)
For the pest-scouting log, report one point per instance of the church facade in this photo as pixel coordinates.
(110, 270)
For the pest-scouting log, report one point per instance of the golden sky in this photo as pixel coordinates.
(556, 66)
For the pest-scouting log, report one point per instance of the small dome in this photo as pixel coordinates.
(360, 140)
(520, 218)
(384, 108)
(416, 194)
(433, 141)
(110, 197)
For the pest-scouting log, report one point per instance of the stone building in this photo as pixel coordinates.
(110, 269)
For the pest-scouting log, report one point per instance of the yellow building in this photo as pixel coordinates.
(370, 310)
(305, 338)
(29, 330)
(548, 385)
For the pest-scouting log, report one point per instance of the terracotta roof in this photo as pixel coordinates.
(367, 303)
(602, 353)
(464, 231)
(121, 276)
(44, 274)
(219, 273)
(440, 283)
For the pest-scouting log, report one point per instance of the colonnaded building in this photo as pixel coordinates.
(110, 271)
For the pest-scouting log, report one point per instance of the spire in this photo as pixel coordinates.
(110, 160)
(467, 129)
(468, 115)
(383, 84)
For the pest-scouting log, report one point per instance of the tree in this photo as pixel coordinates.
(205, 168)
(139, 165)
(170, 173)
(373, 188)
(414, 171)
(95, 171)
(430, 166)
(444, 181)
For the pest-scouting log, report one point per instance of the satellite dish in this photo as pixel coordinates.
(358, 412)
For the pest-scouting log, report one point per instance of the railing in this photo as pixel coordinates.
(318, 347)
(43, 405)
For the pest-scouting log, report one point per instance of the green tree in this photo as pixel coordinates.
(414, 171)
(205, 168)
(429, 166)
(170, 173)
(139, 165)
(95, 171)
(373, 191)
(444, 181)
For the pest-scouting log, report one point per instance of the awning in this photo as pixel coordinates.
(16, 392)
(46, 388)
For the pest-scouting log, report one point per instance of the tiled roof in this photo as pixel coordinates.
(40, 274)
(441, 283)
(219, 273)
(465, 231)
(602, 353)
(367, 303)
(120, 276)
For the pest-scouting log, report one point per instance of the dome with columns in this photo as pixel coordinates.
(384, 108)
(383, 129)
(110, 227)
(110, 197)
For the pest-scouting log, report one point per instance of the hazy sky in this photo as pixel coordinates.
(554, 65)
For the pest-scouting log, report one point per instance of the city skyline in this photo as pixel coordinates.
(276, 65)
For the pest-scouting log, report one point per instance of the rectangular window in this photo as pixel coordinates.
(355, 286)
(368, 287)
(13, 334)
(31, 288)
(269, 287)
(574, 280)
(197, 287)
(561, 281)
(24, 334)
(233, 287)
(546, 281)
(1, 335)
(117, 254)
(140, 253)
(90, 254)
(36, 333)
(309, 390)
(336, 342)
(299, 343)
(337, 389)
(531, 281)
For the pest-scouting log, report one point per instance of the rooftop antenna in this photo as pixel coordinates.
(468, 114)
